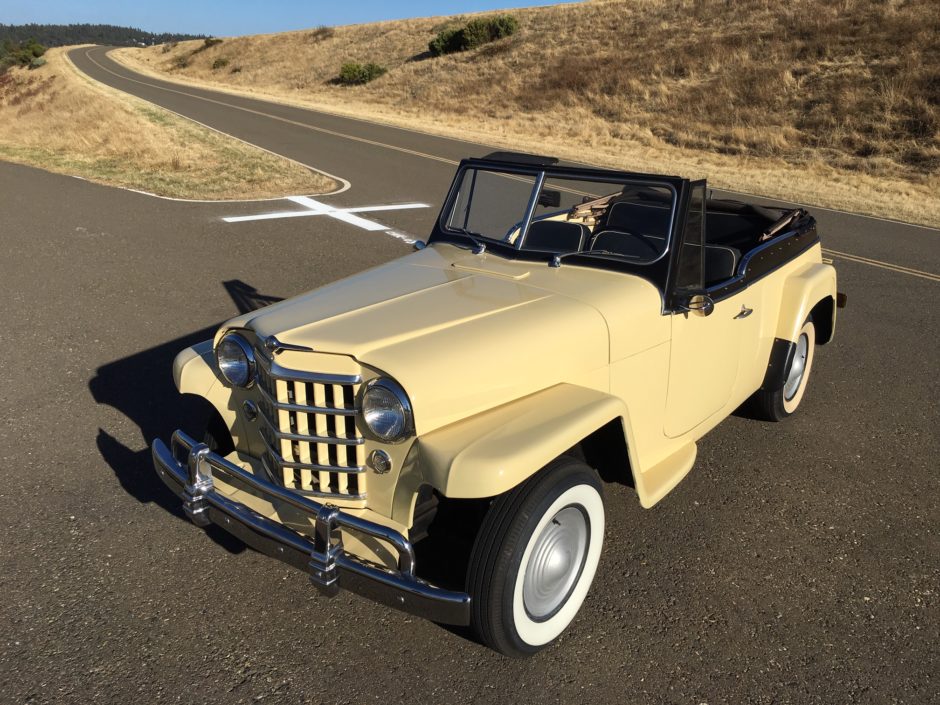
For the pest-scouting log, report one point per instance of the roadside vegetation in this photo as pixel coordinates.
(352, 73)
(57, 35)
(28, 53)
(56, 118)
(473, 34)
(836, 104)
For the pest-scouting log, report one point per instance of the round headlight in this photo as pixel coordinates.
(386, 410)
(236, 360)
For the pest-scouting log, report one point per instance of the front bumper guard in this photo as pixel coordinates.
(322, 557)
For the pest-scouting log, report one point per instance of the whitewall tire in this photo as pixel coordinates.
(794, 385)
(535, 558)
(783, 396)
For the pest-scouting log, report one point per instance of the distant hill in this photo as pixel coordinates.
(795, 99)
(53, 35)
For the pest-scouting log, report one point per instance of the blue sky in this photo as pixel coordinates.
(231, 17)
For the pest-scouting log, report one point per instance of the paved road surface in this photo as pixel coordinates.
(388, 164)
(797, 563)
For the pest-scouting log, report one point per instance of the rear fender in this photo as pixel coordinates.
(801, 292)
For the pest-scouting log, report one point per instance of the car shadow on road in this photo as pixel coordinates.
(141, 387)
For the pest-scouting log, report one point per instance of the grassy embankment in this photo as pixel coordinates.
(836, 104)
(58, 119)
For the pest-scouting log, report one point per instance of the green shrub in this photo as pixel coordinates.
(181, 62)
(20, 54)
(352, 73)
(207, 43)
(320, 33)
(447, 41)
(37, 62)
(504, 26)
(219, 63)
(475, 33)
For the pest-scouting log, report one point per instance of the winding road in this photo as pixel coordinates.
(390, 163)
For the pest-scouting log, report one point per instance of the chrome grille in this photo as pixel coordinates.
(308, 425)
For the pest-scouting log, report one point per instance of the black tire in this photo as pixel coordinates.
(777, 402)
(524, 524)
(217, 435)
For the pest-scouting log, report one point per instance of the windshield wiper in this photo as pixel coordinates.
(478, 247)
(556, 259)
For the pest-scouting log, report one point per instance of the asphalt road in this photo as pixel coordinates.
(799, 562)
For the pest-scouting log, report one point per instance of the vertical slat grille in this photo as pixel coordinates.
(309, 428)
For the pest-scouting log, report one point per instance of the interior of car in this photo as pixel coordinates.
(635, 224)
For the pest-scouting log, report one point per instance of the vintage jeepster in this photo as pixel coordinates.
(435, 433)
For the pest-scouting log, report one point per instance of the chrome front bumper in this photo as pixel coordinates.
(187, 468)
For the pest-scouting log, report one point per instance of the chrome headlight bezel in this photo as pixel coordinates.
(386, 385)
(247, 354)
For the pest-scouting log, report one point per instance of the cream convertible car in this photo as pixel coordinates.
(435, 433)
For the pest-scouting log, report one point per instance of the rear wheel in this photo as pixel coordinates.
(782, 401)
(535, 557)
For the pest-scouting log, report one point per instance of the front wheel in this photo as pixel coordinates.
(535, 557)
(216, 434)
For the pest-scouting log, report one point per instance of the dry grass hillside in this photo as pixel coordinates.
(56, 118)
(831, 103)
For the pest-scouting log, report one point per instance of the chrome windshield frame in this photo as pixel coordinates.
(540, 174)
(530, 209)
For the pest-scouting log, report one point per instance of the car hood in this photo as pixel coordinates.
(460, 334)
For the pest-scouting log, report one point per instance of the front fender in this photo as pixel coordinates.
(193, 369)
(801, 292)
(493, 452)
(194, 372)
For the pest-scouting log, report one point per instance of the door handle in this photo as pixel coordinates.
(744, 312)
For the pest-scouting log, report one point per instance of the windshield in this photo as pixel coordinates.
(625, 220)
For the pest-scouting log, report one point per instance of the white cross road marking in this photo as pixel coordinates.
(344, 214)
(339, 214)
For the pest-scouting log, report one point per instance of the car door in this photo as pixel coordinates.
(706, 337)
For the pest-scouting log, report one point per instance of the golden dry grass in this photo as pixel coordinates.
(836, 104)
(56, 118)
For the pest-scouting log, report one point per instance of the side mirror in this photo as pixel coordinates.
(550, 198)
(702, 304)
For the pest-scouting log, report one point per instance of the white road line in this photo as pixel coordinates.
(393, 207)
(346, 215)
(339, 214)
(270, 216)
(404, 237)
(292, 214)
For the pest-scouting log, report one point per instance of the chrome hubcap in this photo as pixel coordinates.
(797, 368)
(555, 563)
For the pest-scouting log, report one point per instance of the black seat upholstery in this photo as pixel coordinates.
(639, 218)
(627, 244)
(556, 236)
(720, 263)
